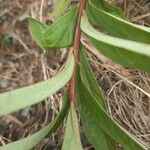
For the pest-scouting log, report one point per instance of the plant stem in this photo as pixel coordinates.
(76, 46)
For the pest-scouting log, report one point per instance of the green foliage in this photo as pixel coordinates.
(21, 98)
(128, 53)
(30, 141)
(72, 135)
(109, 21)
(127, 44)
(36, 29)
(99, 139)
(60, 7)
(93, 114)
(59, 34)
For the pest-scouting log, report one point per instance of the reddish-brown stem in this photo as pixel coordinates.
(76, 46)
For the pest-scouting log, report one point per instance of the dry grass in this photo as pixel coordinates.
(22, 63)
(136, 10)
(126, 101)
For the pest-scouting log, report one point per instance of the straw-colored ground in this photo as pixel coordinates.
(22, 63)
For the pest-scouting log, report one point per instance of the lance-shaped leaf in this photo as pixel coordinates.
(88, 76)
(36, 29)
(105, 6)
(101, 15)
(21, 98)
(128, 53)
(61, 32)
(95, 115)
(99, 140)
(72, 135)
(60, 7)
(30, 141)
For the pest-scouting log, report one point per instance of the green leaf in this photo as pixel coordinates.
(58, 35)
(72, 136)
(61, 32)
(30, 141)
(100, 14)
(93, 114)
(105, 6)
(17, 99)
(88, 77)
(99, 139)
(125, 52)
(36, 29)
(60, 7)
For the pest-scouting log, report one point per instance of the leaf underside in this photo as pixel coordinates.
(72, 136)
(128, 53)
(108, 19)
(30, 141)
(23, 97)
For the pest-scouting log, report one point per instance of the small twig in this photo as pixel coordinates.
(140, 17)
(1, 141)
(14, 119)
(124, 79)
(26, 48)
(41, 10)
